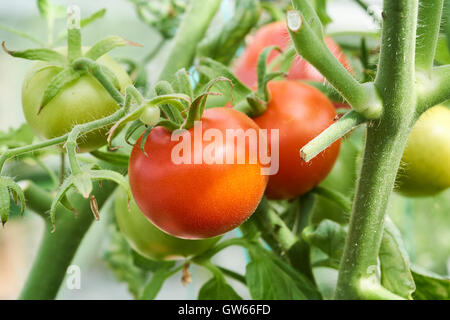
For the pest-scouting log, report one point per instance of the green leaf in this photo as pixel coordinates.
(270, 278)
(155, 284)
(394, 262)
(105, 45)
(4, 204)
(182, 83)
(19, 137)
(217, 289)
(113, 176)
(211, 69)
(329, 237)
(118, 255)
(58, 82)
(41, 54)
(430, 286)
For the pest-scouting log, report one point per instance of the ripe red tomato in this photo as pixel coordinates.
(276, 34)
(196, 201)
(300, 112)
(148, 240)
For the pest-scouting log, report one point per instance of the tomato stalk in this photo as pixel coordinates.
(57, 249)
(73, 33)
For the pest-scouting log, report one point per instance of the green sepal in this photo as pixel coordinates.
(135, 125)
(198, 105)
(82, 182)
(4, 204)
(16, 193)
(163, 88)
(167, 124)
(60, 80)
(211, 69)
(110, 75)
(144, 139)
(65, 202)
(263, 77)
(223, 44)
(105, 45)
(41, 54)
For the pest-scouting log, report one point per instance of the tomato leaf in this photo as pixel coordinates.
(152, 288)
(430, 286)
(14, 138)
(394, 262)
(41, 54)
(151, 265)
(217, 289)
(270, 278)
(60, 80)
(105, 45)
(329, 237)
(114, 158)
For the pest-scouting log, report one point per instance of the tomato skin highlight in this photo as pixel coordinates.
(195, 201)
(80, 101)
(424, 169)
(277, 34)
(148, 240)
(300, 112)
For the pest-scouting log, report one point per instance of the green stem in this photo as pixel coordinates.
(362, 97)
(58, 249)
(73, 33)
(234, 275)
(335, 196)
(334, 132)
(385, 141)
(428, 23)
(310, 15)
(433, 88)
(191, 31)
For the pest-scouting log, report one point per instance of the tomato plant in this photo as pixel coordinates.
(424, 170)
(294, 102)
(148, 240)
(178, 198)
(81, 101)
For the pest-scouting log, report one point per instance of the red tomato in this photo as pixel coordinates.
(300, 112)
(196, 201)
(276, 34)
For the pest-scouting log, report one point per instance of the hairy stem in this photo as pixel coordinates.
(385, 141)
(428, 23)
(433, 88)
(334, 132)
(58, 249)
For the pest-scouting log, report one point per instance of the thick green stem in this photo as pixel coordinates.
(73, 33)
(58, 249)
(428, 23)
(362, 97)
(310, 15)
(385, 141)
(191, 31)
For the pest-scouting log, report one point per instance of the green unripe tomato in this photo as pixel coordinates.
(150, 116)
(80, 101)
(148, 240)
(425, 166)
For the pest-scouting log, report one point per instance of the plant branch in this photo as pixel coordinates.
(334, 132)
(362, 97)
(58, 249)
(428, 24)
(309, 13)
(190, 32)
(433, 88)
(385, 141)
